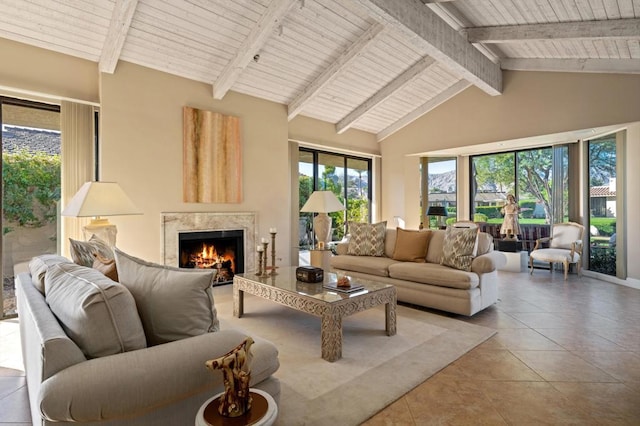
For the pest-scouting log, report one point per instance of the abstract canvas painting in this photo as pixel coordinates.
(212, 157)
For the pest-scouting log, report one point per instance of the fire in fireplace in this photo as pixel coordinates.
(220, 250)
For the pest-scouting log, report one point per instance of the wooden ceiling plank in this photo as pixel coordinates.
(423, 26)
(424, 108)
(330, 73)
(616, 66)
(251, 46)
(119, 26)
(619, 28)
(381, 95)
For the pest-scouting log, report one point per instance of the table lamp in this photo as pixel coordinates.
(322, 202)
(438, 211)
(98, 199)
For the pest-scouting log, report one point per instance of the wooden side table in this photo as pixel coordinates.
(264, 412)
(321, 259)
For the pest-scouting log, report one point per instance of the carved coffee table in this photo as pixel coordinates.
(313, 299)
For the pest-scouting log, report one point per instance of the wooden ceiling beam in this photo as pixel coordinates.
(119, 26)
(431, 34)
(381, 95)
(330, 73)
(432, 103)
(611, 66)
(583, 30)
(251, 45)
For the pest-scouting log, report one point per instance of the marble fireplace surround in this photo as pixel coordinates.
(174, 223)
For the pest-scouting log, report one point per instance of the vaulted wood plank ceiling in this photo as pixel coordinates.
(374, 65)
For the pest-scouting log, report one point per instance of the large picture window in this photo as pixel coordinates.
(439, 175)
(348, 177)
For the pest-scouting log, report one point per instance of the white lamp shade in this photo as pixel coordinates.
(95, 199)
(322, 202)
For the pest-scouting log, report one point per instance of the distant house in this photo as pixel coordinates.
(602, 200)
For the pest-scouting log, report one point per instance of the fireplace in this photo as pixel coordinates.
(197, 224)
(220, 250)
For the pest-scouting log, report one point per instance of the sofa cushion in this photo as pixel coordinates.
(98, 314)
(373, 265)
(39, 265)
(367, 239)
(82, 251)
(459, 248)
(434, 274)
(411, 246)
(436, 243)
(173, 303)
(485, 243)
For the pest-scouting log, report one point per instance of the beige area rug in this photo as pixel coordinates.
(375, 369)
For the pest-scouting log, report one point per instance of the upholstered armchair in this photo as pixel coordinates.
(565, 246)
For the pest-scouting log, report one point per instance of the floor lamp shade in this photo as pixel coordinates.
(322, 202)
(98, 199)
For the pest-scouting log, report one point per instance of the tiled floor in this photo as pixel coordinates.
(565, 353)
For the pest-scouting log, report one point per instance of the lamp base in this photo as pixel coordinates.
(102, 229)
(322, 228)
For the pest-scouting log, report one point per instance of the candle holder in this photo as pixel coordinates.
(273, 253)
(264, 254)
(260, 258)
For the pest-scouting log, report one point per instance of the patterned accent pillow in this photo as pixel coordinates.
(366, 239)
(459, 247)
(82, 251)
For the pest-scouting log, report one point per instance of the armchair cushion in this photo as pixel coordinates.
(98, 314)
(173, 303)
(555, 255)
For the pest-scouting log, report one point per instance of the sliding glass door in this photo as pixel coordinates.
(30, 187)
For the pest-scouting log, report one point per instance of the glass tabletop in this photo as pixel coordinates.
(286, 280)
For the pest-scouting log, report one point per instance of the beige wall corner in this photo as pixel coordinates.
(141, 112)
(34, 71)
(316, 132)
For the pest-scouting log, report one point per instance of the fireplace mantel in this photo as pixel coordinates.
(174, 223)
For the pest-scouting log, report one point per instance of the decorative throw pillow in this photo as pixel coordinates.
(106, 266)
(39, 265)
(99, 315)
(459, 247)
(82, 251)
(366, 239)
(411, 246)
(173, 303)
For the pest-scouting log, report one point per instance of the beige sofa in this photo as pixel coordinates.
(161, 384)
(430, 284)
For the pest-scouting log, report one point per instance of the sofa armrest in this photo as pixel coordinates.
(133, 383)
(487, 262)
(342, 248)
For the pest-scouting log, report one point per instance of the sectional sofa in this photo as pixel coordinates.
(414, 264)
(92, 357)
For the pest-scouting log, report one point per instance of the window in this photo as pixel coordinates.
(348, 177)
(30, 187)
(603, 247)
(439, 174)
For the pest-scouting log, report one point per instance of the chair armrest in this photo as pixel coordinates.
(133, 383)
(540, 241)
(576, 247)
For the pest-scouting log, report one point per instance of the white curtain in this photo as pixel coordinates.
(78, 164)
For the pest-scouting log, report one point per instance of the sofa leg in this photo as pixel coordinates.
(550, 267)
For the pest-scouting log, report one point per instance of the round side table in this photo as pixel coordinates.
(264, 412)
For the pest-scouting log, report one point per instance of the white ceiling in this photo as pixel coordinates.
(374, 65)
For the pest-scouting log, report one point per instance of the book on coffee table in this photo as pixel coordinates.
(351, 289)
